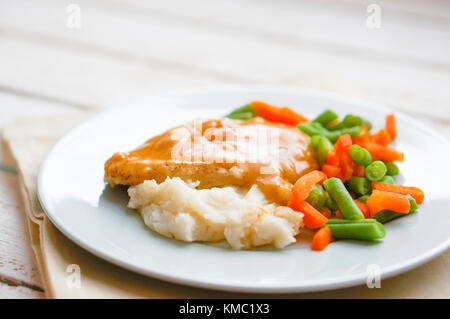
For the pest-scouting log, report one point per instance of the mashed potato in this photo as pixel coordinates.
(244, 219)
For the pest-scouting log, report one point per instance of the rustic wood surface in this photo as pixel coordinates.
(126, 50)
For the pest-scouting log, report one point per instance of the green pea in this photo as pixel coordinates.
(376, 171)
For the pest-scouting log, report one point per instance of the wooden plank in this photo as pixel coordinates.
(322, 25)
(13, 106)
(436, 11)
(17, 263)
(19, 292)
(85, 78)
(119, 55)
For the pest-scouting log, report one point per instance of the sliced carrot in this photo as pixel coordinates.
(338, 215)
(415, 192)
(391, 125)
(289, 116)
(278, 114)
(363, 139)
(343, 144)
(382, 138)
(360, 171)
(268, 111)
(340, 157)
(346, 167)
(384, 153)
(380, 200)
(363, 208)
(332, 159)
(321, 239)
(325, 211)
(331, 170)
(312, 217)
(305, 184)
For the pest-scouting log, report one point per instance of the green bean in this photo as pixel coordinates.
(309, 129)
(353, 131)
(363, 199)
(387, 179)
(318, 126)
(376, 171)
(351, 221)
(359, 185)
(413, 204)
(315, 139)
(326, 117)
(243, 109)
(336, 127)
(331, 204)
(344, 201)
(334, 135)
(385, 216)
(392, 168)
(360, 155)
(241, 116)
(351, 120)
(367, 124)
(367, 229)
(323, 149)
(317, 197)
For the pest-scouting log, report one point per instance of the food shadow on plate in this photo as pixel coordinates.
(117, 197)
(399, 179)
(304, 240)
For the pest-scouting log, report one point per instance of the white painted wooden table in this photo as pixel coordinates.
(127, 50)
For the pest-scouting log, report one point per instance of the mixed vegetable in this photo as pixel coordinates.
(354, 192)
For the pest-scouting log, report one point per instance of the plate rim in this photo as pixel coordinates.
(345, 281)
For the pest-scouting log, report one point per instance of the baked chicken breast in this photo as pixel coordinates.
(218, 153)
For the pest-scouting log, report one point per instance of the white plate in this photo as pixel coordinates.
(76, 199)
